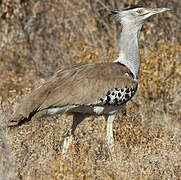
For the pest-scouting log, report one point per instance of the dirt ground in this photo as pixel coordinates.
(39, 37)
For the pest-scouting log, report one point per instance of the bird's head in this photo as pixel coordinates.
(135, 15)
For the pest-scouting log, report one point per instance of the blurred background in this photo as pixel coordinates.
(44, 35)
(37, 38)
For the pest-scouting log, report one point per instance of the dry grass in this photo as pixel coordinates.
(7, 160)
(39, 37)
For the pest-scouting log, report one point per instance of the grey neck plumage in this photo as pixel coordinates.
(129, 51)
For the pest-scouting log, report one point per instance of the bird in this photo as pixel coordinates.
(85, 89)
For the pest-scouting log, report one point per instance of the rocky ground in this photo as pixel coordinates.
(39, 37)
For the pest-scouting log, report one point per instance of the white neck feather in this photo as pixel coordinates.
(129, 51)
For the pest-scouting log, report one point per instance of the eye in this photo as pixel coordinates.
(139, 11)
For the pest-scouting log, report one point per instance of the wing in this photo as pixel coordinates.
(83, 84)
(80, 84)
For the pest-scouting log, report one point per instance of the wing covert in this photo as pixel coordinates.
(91, 84)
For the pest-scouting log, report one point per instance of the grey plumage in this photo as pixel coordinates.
(92, 89)
(132, 21)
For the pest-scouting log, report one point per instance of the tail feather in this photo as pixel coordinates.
(29, 106)
(15, 120)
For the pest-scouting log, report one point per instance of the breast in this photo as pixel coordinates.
(117, 97)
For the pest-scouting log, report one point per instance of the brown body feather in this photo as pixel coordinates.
(79, 84)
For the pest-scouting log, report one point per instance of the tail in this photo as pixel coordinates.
(29, 106)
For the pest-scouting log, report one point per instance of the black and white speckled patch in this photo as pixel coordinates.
(118, 96)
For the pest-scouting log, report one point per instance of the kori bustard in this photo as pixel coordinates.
(92, 89)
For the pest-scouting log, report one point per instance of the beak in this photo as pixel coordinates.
(159, 10)
(154, 11)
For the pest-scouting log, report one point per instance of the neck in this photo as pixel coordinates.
(129, 51)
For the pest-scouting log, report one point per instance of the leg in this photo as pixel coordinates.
(110, 138)
(66, 143)
(77, 119)
(123, 110)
